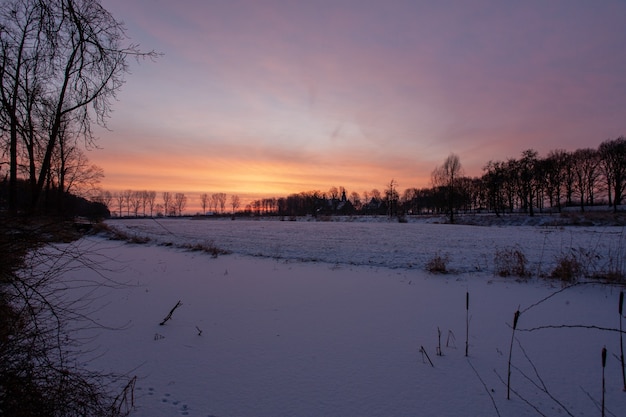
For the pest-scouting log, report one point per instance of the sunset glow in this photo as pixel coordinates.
(267, 98)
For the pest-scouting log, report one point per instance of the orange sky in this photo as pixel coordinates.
(268, 98)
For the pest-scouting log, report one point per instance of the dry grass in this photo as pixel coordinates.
(438, 264)
(511, 262)
(568, 269)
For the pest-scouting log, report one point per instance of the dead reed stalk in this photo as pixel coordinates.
(621, 337)
(603, 383)
(466, 323)
(508, 380)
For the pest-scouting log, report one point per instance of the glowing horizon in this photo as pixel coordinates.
(272, 98)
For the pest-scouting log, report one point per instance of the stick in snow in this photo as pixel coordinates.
(621, 338)
(423, 351)
(466, 323)
(169, 316)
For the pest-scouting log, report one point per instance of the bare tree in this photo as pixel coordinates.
(555, 176)
(215, 202)
(167, 202)
(135, 200)
(586, 174)
(60, 62)
(73, 171)
(204, 200)
(180, 201)
(221, 198)
(105, 197)
(128, 195)
(119, 199)
(150, 198)
(391, 197)
(144, 201)
(613, 163)
(447, 176)
(234, 202)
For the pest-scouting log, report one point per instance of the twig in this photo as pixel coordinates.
(556, 293)
(543, 386)
(595, 402)
(493, 401)
(572, 326)
(169, 316)
(520, 397)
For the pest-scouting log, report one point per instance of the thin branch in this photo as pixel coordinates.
(572, 326)
(520, 397)
(493, 401)
(169, 316)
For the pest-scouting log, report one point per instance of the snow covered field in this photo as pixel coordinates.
(328, 319)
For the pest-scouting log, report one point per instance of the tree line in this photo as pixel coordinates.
(528, 184)
(148, 203)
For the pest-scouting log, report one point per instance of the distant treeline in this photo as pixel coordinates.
(529, 184)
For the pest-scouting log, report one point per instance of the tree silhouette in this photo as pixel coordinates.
(61, 64)
(446, 176)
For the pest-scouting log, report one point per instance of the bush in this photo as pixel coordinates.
(568, 269)
(438, 264)
(510, 262)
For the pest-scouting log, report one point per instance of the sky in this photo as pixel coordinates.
(268, 97)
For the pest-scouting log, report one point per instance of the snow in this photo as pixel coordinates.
(328, 318)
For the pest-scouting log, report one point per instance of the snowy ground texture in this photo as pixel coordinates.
(328, 319)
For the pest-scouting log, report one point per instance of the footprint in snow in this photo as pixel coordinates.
(182, 407)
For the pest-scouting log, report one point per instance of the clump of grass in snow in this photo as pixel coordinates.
(438, 264)
(510, 262)
(209, 248)
(568, 269)
(114, 234)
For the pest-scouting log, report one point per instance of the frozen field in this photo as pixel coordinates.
(340, 334)
(389, 244)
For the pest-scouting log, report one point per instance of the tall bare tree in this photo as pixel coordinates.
(613, 163)
(151, 198)
(204, 201)
(586, 174)
(180, 201)
(167, 202)
(215, 201)
(136, 198)
(447, 176)
(234, 202)
(221, 198)
(392, 197)
(61, 64)
(119, 199)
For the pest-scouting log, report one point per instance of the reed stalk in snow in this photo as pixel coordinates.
(603, 384)
(508, 380)
(621, 337)
(466, 323)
